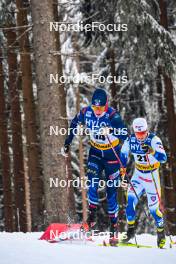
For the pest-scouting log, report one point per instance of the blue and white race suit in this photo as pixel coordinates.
(145, 170)
(101, 156)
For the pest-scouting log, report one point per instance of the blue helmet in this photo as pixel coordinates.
(99, 97)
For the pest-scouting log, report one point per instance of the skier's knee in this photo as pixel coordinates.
(111, 198)
(112, 204)
(131, 200)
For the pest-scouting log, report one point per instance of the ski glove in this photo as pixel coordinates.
(66, 148)
(122, 172)
(124, 177)
(147, 149)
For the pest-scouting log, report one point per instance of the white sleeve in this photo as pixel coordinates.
(157, 146)
(125, 150)
(126, 147)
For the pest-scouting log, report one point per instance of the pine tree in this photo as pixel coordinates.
(5, 156)
(170, 182)
(16, 126)
(52, 108)
(30, 118)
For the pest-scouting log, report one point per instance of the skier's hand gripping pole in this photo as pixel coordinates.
(65, 151)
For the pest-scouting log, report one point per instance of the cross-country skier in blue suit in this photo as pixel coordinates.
(104, 123)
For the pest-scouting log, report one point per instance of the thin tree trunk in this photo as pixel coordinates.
(18, 165)
(114, 103)
(113, 89)
(30, 120)
(5, 158)
(81, 168)
(52, 109)
(81, 147)
(171, 129)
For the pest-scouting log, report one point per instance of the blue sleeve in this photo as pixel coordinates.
(116, 122)
(161, 157)
(78, 119)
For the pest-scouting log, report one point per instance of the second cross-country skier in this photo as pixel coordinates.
(148, 153)
(101, 157)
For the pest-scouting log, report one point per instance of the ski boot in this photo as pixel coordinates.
(90, 222)
(113, 240)
(130, 233)
(161, 239)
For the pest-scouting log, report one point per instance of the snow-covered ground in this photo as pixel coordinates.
(20, 248)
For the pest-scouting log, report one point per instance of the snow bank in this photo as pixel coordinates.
(19, 248)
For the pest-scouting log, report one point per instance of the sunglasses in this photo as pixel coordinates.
(98, 108)
(141, 134)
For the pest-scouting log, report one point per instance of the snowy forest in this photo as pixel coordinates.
(35, 104)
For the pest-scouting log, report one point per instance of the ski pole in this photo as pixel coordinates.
(160, 202)
(159, 199)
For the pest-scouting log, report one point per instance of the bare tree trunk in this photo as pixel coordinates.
(52, 108)
(171, 129)
(70, 190)
(168, 190)
(81, 147)
(5, 158)
(18, 165)
(30, 120)
(81, 168)
(113, 89)
(114, 103)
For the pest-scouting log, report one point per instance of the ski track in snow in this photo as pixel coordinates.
(20, 248)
